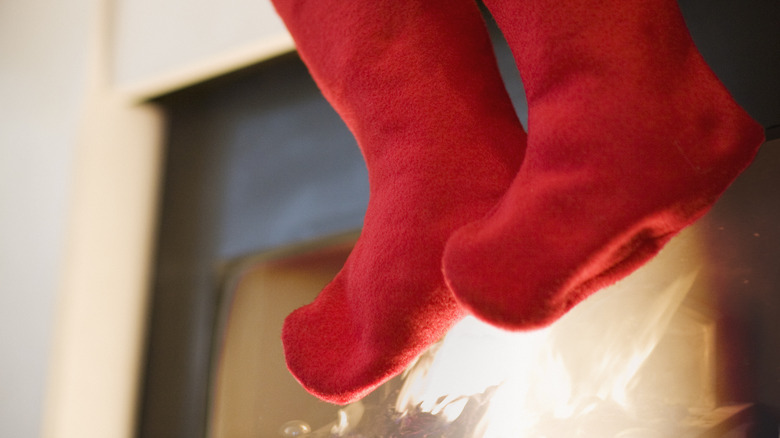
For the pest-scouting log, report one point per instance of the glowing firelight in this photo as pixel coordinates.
(590, 367)
(585, 363)
(631, 361)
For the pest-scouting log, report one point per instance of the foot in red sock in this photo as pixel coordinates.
(631, 138)
(417, 84)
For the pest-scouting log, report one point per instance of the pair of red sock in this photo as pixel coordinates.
(630, 138)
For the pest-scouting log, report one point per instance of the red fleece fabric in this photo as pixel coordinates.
(631, 137)
(417, 84)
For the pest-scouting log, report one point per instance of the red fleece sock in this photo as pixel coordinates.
(417, 84)
(631, 138)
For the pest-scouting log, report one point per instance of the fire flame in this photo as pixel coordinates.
(630, 361)
(590, 367)
(586, 362)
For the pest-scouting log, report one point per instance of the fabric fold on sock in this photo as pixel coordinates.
(631, 138)
(417, 83)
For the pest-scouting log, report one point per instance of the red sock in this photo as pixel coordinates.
(418, 86)
(631, 138)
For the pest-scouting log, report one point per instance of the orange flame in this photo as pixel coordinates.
(592, 366)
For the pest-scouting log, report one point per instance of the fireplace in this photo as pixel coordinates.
(663, 353)
(264, 194)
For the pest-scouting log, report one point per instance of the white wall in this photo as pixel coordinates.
(78, 184)
(79, 165)
(43, 53)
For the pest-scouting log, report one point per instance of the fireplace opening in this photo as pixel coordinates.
(260, 171)
(652, 356)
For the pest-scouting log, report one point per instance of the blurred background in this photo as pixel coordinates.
(82, 153)
(43, 64)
